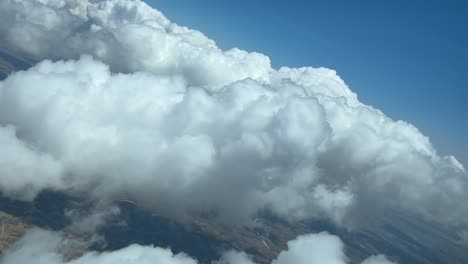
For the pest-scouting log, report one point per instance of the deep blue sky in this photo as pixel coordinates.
(407, 58)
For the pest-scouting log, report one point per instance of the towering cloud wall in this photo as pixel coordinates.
(128, 105)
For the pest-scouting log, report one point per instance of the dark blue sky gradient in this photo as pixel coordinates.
(407, 58)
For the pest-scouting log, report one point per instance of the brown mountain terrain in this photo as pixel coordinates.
(11, 229)
(402, 238)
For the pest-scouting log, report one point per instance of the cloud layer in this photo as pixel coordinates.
(160, 115)
(47, 247)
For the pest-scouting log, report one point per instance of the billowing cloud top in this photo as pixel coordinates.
(128, 35)
(157, 113)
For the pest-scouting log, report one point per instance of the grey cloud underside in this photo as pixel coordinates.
(160, 115)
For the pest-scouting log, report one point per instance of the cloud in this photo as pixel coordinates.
(156, 140)
(20, 166)
(320, 248)
(128, 35)
(316, 248)
(159, 114)
(380, 259)
(47, 247)
(235, 257)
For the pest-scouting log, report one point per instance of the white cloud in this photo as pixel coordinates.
(314, 248)
(235, 257)
(320, 248)
(380, 259)
(45, 247)
(20, 166)
(190, 128)
(128, 35)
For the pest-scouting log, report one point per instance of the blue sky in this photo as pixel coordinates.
(407, 58)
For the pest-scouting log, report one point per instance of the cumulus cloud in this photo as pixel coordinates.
(317, 248)
(380, 259)
(320, 248)
(156, 140)
(305, 249)
(21, 164)
(159, 114)
(47, 247)
(128, 35)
